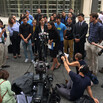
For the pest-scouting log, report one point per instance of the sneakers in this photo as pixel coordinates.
(102, 86)
(32, 61)
(26, 60)
(5, 66)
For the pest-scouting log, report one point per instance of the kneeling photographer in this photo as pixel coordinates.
(76, 86)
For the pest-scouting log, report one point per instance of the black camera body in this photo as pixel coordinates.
(43, 90)
(100, 52)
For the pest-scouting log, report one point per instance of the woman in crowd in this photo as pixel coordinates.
(40, 29)
(34, 41)
(13, 29)
(5, 88)
(51, 18)
(54, 40)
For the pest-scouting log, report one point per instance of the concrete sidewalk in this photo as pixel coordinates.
(18, 68)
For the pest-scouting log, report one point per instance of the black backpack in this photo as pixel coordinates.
(85, 99)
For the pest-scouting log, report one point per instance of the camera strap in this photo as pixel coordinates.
(26, 99)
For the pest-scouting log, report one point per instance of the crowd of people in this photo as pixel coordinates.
(64, 35)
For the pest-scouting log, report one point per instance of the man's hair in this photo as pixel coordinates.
(69, 18)
(1, 22)
(71, 8)
(45, 17)
(81, 14)
(94, 15)
(84, 69)
(78, 55)
(58, 17)
(24, 17)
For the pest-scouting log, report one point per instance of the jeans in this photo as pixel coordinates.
(65, 91)
(29, 46)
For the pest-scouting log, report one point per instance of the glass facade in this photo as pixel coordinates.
(99, 5)
(17, 7)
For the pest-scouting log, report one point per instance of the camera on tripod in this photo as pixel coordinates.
(43, 90)
(43, 41)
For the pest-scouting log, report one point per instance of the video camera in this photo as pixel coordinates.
(43, 90)
(100, 52)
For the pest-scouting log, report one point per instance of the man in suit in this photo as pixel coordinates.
(38, 15)
(80, 31)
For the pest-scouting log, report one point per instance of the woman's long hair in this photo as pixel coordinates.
(52, 24)
(10, 21)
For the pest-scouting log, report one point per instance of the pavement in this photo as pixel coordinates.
(18, 68)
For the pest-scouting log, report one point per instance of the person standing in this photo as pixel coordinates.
(3, 47)
(39, 15)
(34, 41)
(64, 18)
(70, 15)
(62, 31)
(54, 38)
(73, 15)
(2, 52)
(96, 36)
(41, 29)
(25, 33)
(68, 38)
(13, 29)
(29, 21)
(30, 16)
(80, 31)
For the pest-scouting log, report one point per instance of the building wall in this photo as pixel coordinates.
(17, 7)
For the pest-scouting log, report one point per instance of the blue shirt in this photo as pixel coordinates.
(79, 85)
(29, 22)
(61, 28)
(95, 32)
(15, 27)
(31, 17)
(64, 20)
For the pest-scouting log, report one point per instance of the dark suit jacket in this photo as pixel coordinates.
(80, 31)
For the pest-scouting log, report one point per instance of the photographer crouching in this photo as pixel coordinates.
(76, 86)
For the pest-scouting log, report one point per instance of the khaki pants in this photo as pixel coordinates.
(2, 54)
(68, 43)
(92, 56)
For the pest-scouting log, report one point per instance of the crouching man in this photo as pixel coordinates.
(76, 86)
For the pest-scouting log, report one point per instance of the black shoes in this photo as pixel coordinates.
(102, 86)
(5, 66)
